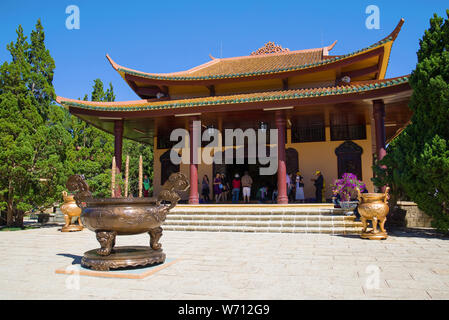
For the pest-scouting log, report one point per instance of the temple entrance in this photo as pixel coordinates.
(259, 181)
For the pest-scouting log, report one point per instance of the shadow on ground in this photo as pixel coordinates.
(76, 259)
(422, 233)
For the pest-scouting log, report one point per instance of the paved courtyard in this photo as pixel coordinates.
(234, 266)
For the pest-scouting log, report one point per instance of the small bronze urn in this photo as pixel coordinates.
(111, 217)
(374, 207)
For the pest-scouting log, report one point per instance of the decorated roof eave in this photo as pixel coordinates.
(299, 97)
(142, 140)
(182, 78)
(336, 64)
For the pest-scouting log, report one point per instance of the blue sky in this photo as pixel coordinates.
(168, 36)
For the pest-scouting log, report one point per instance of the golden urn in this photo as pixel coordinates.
(70, 210)
(374, 207)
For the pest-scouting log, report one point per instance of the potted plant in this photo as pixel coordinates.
(346, 187)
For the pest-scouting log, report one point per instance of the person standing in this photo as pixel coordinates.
(319, 186)
(205, 189)
(289, 186)
(236, 184)
(274, 195)
(246, 184)
(218, 187)
(146, 186)
(299, 184)
(226, 188)
(261, 194)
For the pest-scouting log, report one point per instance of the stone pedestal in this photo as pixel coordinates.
(122, 257)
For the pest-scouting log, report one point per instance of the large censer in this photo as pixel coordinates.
(374, 207)
(111, 217)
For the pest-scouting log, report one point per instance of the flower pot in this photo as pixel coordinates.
(374, 207)
(348, 205)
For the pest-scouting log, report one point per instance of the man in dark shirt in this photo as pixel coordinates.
(318, 183)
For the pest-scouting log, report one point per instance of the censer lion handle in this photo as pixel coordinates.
(387, 195)
(175, 183)
(77, 183)
(359, 194)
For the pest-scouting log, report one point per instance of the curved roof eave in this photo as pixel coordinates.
(183, 76)
(354, 91)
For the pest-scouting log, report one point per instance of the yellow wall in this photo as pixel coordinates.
(321, 156)
(312, 156)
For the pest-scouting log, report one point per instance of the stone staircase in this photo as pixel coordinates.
(293, 218)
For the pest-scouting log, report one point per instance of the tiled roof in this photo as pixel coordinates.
(249, 66)
(305, 93)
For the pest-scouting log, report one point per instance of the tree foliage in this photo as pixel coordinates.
(32, 140)
(41, 144)
(418, 160)
(91, 151)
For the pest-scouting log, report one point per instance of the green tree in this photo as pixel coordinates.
(92, 150)
(32, 139)
(418, 160)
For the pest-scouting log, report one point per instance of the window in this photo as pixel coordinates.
(308, 129)
(163, 141)
(349, 157)
(347, 126)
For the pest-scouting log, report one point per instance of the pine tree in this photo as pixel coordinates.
(418, 160)
(32, 138)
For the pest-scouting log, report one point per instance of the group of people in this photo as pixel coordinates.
(295, 187)
(222, 188)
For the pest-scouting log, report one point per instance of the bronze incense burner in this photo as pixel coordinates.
(111, 217)
(374, 207)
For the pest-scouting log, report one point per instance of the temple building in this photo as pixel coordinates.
(334, 113)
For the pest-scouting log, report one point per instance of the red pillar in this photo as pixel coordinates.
(282, 171)
(379, 124)
(194, 133)
(118, 142)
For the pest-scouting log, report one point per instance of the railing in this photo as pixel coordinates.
(348, 132)
(308, 134)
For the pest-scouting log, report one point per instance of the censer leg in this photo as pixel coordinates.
(382, 225)
(364, 224)
(67, 220)
(80, 223)
(155, 235)
(375, 225)
(107, 242)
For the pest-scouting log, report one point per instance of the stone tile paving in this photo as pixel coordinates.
(219, 265)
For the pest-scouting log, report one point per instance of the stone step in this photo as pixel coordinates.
(328, 230)
(261, 224)
(262, 218)
(264, 211)
(279, 217)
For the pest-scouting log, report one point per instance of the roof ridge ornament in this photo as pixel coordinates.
(268, 48)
